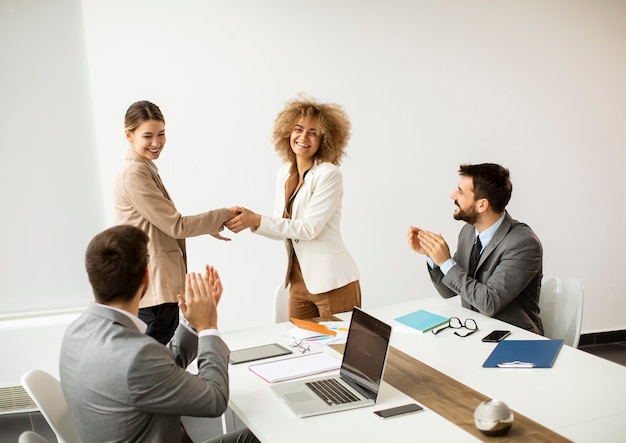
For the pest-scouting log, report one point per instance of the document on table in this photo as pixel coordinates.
(315, 338)
(296, 367)
(312, 326)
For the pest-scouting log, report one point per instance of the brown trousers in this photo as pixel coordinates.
(303, 304)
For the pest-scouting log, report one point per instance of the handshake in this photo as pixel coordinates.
(240, 219)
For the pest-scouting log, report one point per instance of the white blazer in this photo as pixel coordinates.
(314, 228)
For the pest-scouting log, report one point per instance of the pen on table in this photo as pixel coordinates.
(516, 364)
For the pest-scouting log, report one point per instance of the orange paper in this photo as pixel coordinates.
(312, 326)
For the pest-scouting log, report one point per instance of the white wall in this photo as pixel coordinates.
(51, 199)
(537, 86)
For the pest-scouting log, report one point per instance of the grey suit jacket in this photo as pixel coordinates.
(124, 386)
(508, 277)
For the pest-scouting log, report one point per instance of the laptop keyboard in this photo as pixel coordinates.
(332, 392)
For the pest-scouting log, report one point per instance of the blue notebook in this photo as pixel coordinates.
(524, 354)
(422, 320)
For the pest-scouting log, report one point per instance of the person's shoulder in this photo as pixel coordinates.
(326, 167)
(132, 170)
(77, 324)
(325, 171)
(520, 226)
(520, 229)
(134, 165)
(105, 330)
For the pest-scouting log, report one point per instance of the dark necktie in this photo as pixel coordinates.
(475, 256)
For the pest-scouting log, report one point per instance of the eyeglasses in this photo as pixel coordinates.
(456, 323)
(300, 346)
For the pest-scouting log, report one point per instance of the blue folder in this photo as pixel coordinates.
(524, 354)
(422, 320)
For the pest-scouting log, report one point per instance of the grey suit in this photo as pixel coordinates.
(122, 385)
(508, 277)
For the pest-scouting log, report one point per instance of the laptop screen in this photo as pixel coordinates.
(366, 351)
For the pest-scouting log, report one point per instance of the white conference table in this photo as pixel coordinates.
(582, 397)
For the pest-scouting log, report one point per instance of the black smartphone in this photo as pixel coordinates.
(399, 410)
(496, 336)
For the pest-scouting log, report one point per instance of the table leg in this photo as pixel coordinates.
(228, 421)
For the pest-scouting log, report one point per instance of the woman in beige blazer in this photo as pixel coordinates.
(141, 200)
(311, 138)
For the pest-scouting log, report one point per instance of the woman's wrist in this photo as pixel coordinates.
(256, 223)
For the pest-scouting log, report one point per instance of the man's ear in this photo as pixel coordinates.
(146, 277)
(483, 205)
(145, 280)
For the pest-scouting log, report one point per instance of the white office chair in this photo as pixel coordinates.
(281, 303)
(46, 392)
(31, 437)
(561, 304)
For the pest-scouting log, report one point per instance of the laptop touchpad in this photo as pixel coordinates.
(295, 397)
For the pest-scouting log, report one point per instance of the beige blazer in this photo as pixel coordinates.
(141, 200)
(313, 229)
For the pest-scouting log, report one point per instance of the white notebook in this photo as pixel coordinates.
(296, 367)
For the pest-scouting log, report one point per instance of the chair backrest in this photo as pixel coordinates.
(31, 437)
(46, 392)
(561, 304)
(281, 303)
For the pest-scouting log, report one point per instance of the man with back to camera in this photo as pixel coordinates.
(122, 385)
(506, 281)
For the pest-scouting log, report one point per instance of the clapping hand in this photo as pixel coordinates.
(434, 246)
(199, 303)
(413, 239)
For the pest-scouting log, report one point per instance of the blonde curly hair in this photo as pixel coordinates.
(334, 126)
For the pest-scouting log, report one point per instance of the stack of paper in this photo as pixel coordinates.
(323, 333)
(295, 367)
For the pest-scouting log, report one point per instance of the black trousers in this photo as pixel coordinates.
(162, 321)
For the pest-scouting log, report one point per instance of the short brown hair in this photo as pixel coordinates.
(116, 261)
(490, 181)
(140, 112)
(334, 128)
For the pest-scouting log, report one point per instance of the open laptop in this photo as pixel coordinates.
(360, 375)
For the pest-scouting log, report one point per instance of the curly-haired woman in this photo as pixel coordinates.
(311, 139)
